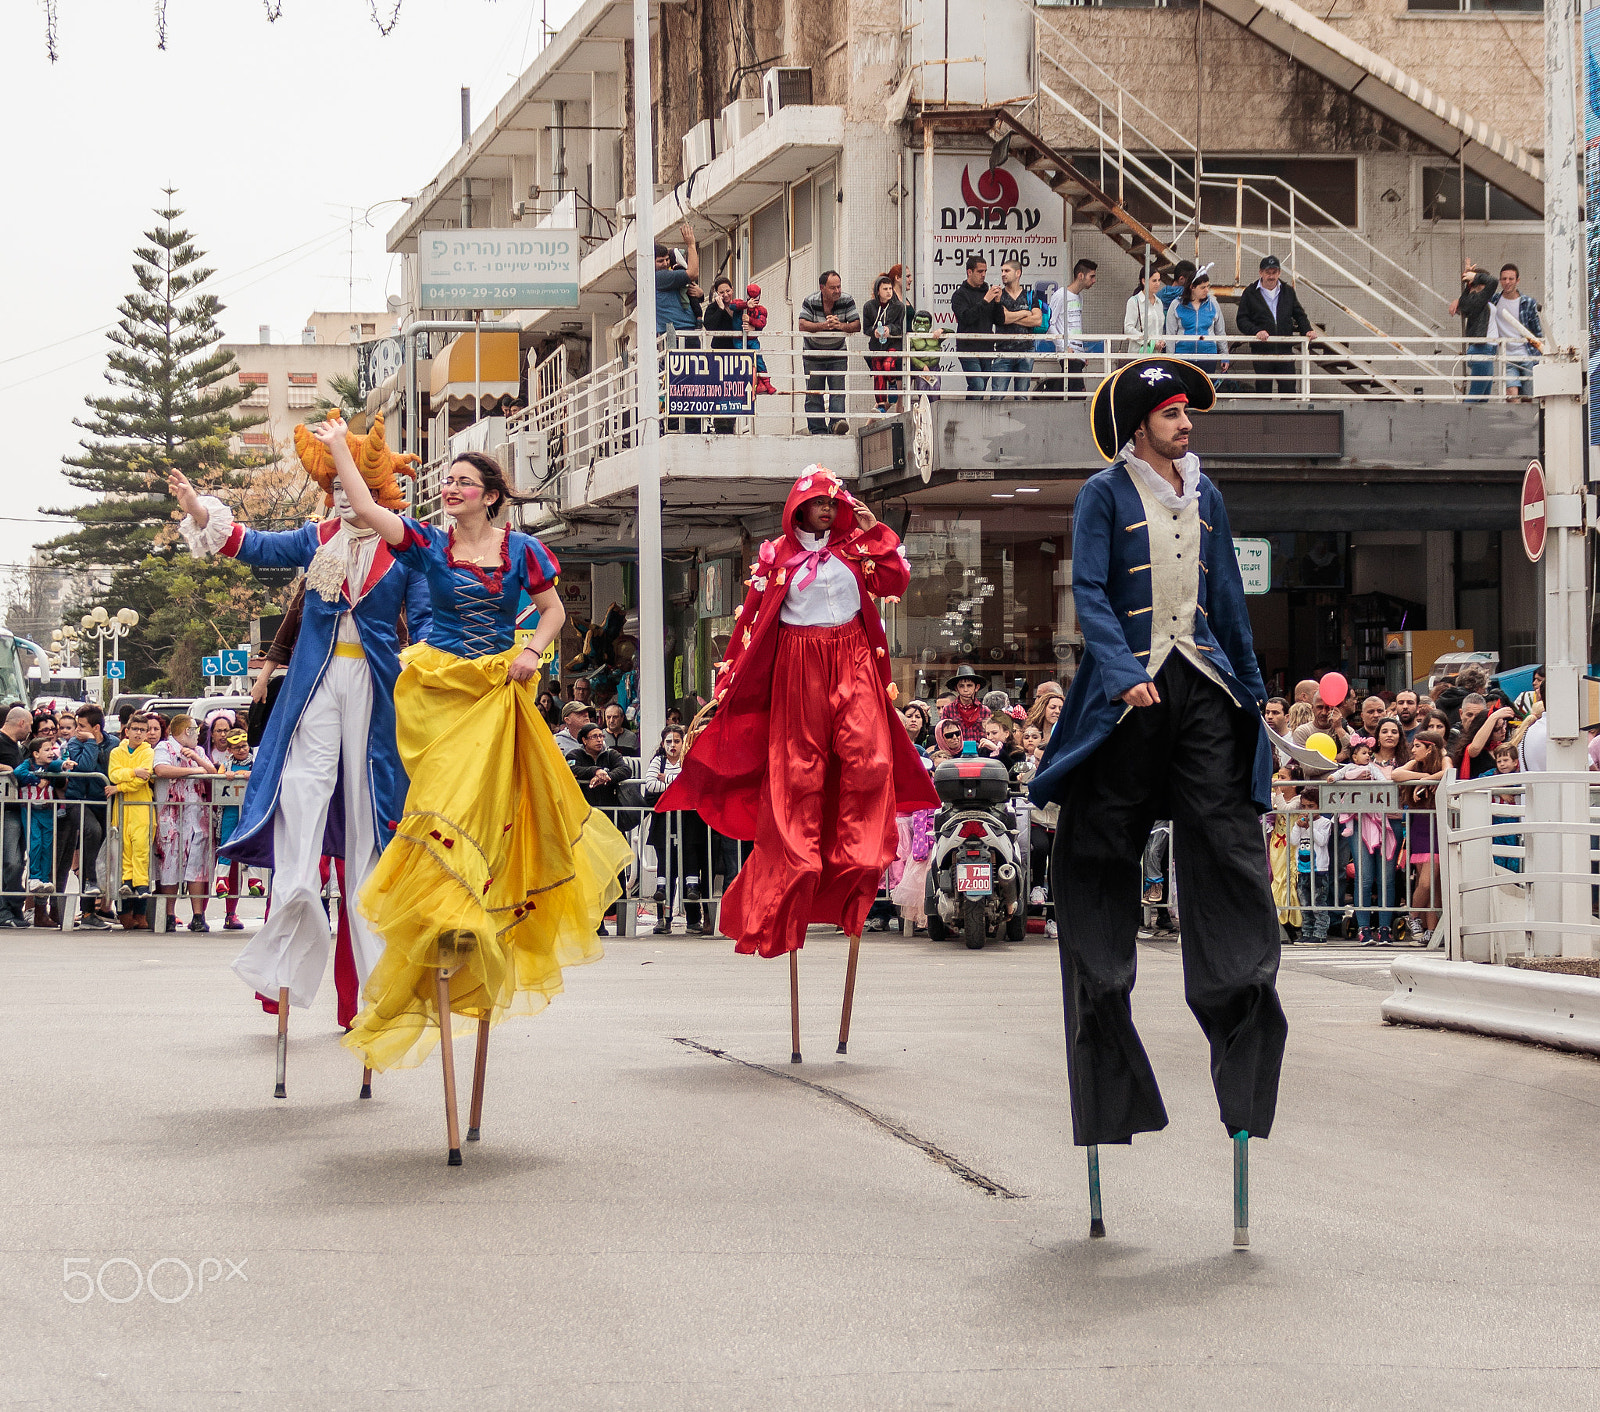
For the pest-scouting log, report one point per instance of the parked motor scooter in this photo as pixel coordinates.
(974, 887)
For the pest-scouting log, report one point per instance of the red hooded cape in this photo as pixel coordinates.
(723, 775)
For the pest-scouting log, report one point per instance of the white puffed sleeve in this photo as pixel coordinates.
(208, 541)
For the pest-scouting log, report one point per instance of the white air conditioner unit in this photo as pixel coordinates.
(784, 88)
(699, 146)
(740, 119)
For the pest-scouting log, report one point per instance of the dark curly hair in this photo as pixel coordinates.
(494, 479)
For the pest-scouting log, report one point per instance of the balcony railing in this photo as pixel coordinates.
(572, 428)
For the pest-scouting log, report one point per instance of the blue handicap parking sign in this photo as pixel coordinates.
(116, 669)
(211, 666)
(235, 663)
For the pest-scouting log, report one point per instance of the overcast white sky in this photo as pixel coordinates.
(269, 132)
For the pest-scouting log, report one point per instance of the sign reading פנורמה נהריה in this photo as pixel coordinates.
(498, 269)
(1255, 564)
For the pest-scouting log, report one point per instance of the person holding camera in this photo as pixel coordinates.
(727, 323)
(976, 306)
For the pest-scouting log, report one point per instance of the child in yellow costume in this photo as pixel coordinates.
(130, 769)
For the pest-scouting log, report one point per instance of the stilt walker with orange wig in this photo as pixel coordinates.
(803, 753)
(327, 778)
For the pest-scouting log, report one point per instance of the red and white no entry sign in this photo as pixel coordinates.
(1533, 512)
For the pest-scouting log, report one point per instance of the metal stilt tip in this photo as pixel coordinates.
(366, 1090)
(1097, 1230)
(1241, 1191)
(455, 1157)
(472, 1134)
(795, 1057)
(279, 1092)
(1097, 1226)
(841, 1048)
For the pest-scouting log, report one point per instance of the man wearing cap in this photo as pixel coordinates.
(575, 715)
(1270, 308)
(1162, 720)
(966, 710)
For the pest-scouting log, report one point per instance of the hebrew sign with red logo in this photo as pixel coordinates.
(999, 214)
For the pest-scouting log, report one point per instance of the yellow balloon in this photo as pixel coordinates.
(1323, 744)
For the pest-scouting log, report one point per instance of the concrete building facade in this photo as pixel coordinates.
(1372, 147)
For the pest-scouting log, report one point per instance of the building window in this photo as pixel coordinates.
(827, 200)
(800, 196)
(1456, 7)
(1441, 198)
(1330, 186)
(369, 330)
(302, 390)
(256, 383)
(767, 237)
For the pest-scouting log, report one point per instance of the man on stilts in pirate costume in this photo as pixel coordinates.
(327, 778)
(804, 754)
(1163, 721)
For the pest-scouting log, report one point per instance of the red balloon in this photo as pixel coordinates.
(1333, 689)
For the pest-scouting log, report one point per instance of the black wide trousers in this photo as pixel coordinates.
(1189, 759)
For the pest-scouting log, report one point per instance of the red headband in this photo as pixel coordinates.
(1180, 397)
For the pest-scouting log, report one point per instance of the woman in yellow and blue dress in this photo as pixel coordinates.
(500, 871)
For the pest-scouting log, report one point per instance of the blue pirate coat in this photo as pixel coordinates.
(1110, 544)
(389, 586)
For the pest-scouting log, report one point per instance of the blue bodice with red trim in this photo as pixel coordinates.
(475, 607)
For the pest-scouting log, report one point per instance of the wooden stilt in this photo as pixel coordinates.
(794, 1004)
(283, 1042)
(479, 1065)
(1097, 1225)
(447, 1051)
(1241, 1191)
(849, 993)
(366, 1083)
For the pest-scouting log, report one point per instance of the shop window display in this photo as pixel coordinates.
(994, 592)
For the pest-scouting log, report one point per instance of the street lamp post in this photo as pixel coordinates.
(102, 625)
(63, 643)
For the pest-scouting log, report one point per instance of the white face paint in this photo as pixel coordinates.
(341, 502)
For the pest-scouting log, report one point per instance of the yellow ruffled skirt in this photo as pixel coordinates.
(500, 870)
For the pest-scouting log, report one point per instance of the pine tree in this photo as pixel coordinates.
(173, 409)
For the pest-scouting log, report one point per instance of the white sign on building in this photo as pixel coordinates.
(1001, 214)
(1255, 564)
(498, 269)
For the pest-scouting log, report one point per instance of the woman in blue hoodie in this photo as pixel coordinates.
(1196, 329)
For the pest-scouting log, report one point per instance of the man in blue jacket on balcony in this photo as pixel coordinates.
(1163, 721)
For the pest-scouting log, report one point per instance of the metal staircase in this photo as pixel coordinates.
(1089, 202)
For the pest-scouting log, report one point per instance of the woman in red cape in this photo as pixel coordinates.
(804, 754)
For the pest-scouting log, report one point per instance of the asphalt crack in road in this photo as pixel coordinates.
(951, 1163)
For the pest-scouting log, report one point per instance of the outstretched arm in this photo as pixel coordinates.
(366, 510)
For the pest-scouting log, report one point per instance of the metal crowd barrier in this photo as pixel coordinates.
(1360, 860)
(1522, 866)
(45, 841)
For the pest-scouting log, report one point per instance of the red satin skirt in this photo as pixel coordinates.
(826, 827)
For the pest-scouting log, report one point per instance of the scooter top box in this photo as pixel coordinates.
(972, 780)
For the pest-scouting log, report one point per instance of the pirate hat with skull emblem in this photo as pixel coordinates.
(1133, 392)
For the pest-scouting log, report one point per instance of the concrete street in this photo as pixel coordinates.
(648, 1225)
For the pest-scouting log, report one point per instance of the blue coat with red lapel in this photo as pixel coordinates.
(390, 586)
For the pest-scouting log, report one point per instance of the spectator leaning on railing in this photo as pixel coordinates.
(14, 733)
(1022, 319)
(84, 826)
(826, 317)
(1513, 317)
(1270, 309)
(1066, 321)
(1144, 320)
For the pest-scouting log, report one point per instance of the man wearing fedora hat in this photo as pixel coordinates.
(1162, 721)
(966, 710)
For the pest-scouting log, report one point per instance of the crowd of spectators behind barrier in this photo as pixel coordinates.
(59, 819)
